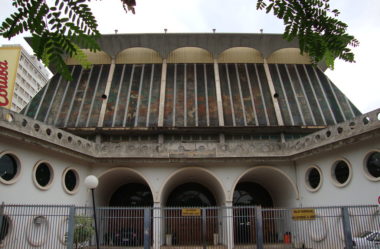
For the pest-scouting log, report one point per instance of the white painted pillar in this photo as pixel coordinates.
(158, 229)
(229, 225)
(272, 92)
(218, 93)
(162, 94)
(106, 92)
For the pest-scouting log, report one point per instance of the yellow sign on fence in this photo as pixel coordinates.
(303, 214)
(191, 212)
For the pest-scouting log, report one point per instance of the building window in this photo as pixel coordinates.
(313, 178)
(341, 173)
(372, 166)
(70, 181)
(9, 168)
(43, 175)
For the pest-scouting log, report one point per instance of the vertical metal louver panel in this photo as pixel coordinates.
(348, 114)
(258, 98)
(32, 108)
(118, 96)
(326, 111)
(179, 96)
(202, 96)
(250, 115)
(282, 98)
(68, 97)
(169, 95)
(292, 102)
(57, 100)
(143, 98)
(300, 95)
(211, 95)
(47, 98)
(331, 97)
(113, 95)
(190, 96)
(154, 98)
(78, 98)
(88, 97)
(129, 119)
(226, 96)
(97, 98)
(268, 102)
(310, 95)
(236, 95)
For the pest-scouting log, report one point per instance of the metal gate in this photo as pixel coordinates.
(68, 227)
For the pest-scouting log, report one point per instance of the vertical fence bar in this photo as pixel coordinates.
(1, 220)
(204, 229)
(70, 228)
(347, 228)
(147, 223)
(259, 228)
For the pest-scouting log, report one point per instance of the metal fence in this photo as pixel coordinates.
(72, 227)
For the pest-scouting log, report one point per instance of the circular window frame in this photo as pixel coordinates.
(76, 189)
(18, 174)
(6, 239)
(333, 176)
(366, 173)
(50, 183)
(306, 180)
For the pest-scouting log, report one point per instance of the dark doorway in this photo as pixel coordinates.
(194, 229)
(246, 196)
(126, 217)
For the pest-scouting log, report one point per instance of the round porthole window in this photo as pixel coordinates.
(372, 166)
(9, 168)
(43, 175)
(313, 178)
(70, 180)
(341, 173)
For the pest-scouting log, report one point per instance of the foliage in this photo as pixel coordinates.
(61, 28)
(57, 30)
(83, 230)
(316, 26)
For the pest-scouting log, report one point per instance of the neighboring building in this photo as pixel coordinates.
(211, 120)
(31, 76)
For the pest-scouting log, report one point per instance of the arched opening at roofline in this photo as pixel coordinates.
(190, 55)
(240, 55)
(288, 56)
(96, 58)
(138, 55)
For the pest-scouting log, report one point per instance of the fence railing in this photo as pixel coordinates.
(71, 227)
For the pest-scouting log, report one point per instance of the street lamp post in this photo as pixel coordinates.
(91, 182)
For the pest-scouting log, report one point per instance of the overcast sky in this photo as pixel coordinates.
(360, 81)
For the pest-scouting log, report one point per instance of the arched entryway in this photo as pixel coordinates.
(267, 187)
(127, 194)
(191, 197)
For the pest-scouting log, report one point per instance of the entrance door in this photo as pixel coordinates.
(188, 220)
(246, 196)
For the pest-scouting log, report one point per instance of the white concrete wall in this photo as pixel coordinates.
(359, 191)
(24, 190)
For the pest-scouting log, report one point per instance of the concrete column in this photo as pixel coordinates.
(162, 94)
(229, 225)
(218, 93)
(272, 92)
(158, 229)
(106, 92)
